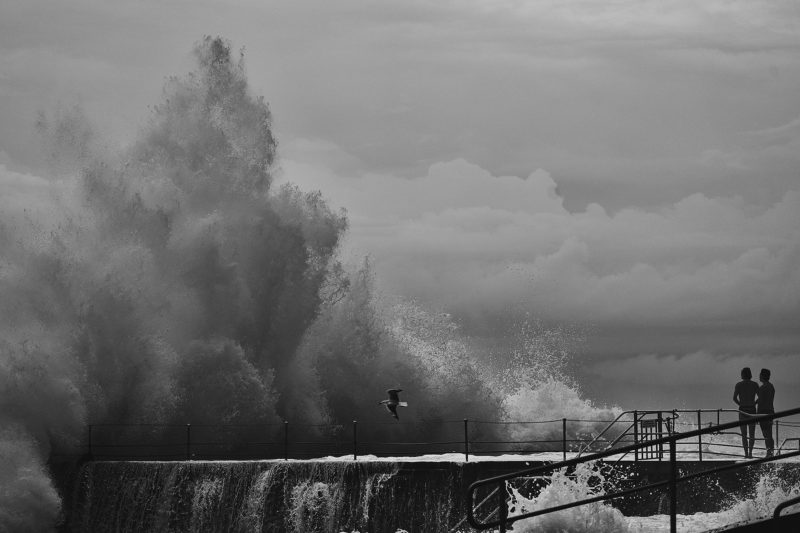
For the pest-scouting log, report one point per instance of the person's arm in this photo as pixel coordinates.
(736, 394)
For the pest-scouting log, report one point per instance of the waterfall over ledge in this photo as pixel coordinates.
(335, 495)
(268, 496)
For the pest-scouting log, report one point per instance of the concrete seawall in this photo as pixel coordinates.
(374, 496)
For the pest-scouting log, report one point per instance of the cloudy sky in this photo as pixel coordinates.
(631, 167)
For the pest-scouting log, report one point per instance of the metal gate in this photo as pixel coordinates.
(651, 429)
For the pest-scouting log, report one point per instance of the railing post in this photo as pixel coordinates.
(673, 488)
(564, 438)
(660, 435)
(777, 431)
(285, 440)
(718, 410)
(636, 435)
(466, 440)
(355, 440)
(188, 442)
(502, 511)
(699, 437)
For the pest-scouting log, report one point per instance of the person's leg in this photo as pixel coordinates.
(751, 428)
(743, 429)
(770, 443)
(766, 430)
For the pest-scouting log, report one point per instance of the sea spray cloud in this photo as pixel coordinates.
(538, 388)
(367, 342)
(43, 393)
(134, 274)
(28, 499)
(173, 283)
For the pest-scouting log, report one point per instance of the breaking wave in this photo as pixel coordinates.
(171, 282)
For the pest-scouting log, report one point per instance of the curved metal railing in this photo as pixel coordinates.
(498, 483)
(783, 505)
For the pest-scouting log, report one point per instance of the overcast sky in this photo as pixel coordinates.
(629, 166)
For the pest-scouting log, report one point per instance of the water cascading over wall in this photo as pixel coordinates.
(267, 496)
(380, 496)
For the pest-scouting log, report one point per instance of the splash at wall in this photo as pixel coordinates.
(537, 387)
(585, 482)
(168, 282)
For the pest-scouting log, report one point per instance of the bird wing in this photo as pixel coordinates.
(394, 394)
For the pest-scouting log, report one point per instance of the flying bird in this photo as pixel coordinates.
(393, 402)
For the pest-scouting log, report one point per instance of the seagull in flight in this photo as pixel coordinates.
(393, 402)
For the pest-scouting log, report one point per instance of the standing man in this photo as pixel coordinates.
(766, 397)
(744, 395)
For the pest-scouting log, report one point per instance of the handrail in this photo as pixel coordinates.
(783, 505)
(789, 439)
(636, 419)
(619, 438)
(645, 412)
(672, 481)
(609, 426)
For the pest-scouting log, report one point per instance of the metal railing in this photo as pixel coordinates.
(638, 425)
(794, 439)
(666, 423)
(285, 440)
(497, 486)
(783, 505)
(297, 441)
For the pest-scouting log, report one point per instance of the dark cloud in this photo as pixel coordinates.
(713, 274)
(500, 239)
(616, 99)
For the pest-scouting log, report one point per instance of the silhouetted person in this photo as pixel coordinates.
(744, 395)
(765, 405)
(393, 402)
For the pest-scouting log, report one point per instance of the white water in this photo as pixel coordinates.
(601, 517)
(339, 494)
